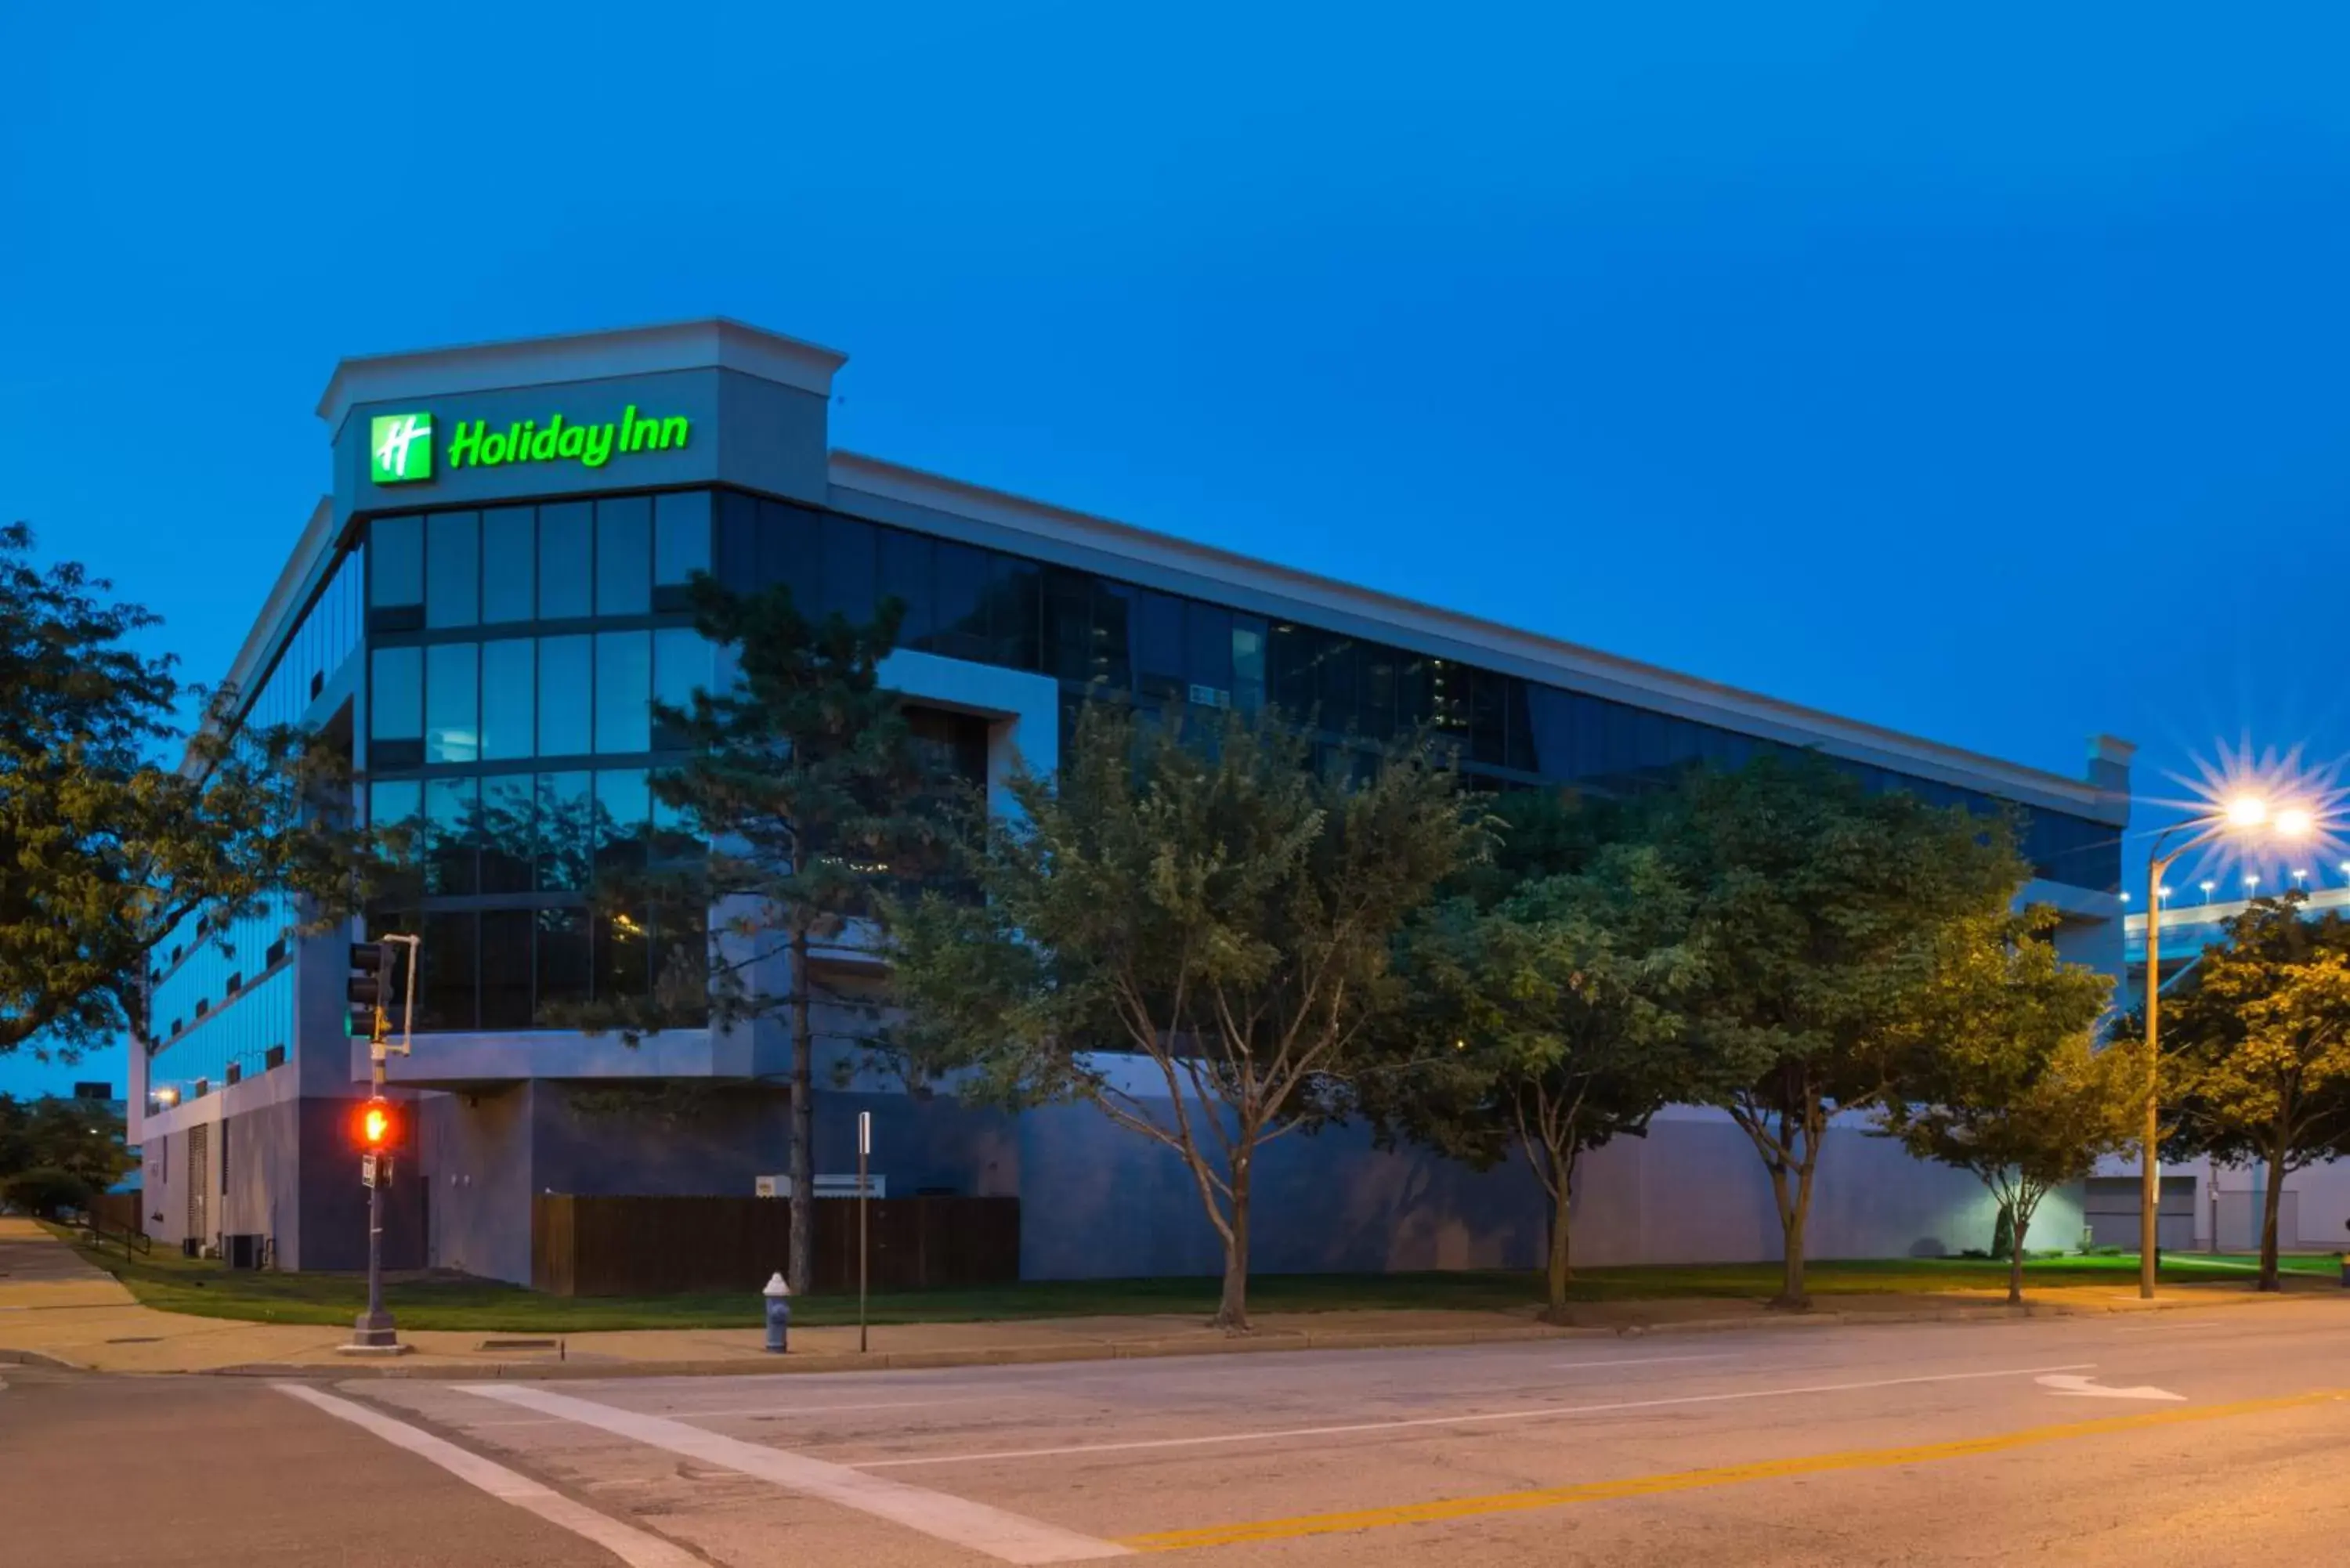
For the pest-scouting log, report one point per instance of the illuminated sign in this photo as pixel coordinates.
(401, 445)
(400, 448)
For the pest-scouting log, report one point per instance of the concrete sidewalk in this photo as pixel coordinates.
(55, 1309)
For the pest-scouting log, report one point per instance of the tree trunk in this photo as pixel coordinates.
(1794, 1218)
(799, 1268)
(1231, 1311)
(2271, 1204)
(1561, 1188)
(2020, 1223)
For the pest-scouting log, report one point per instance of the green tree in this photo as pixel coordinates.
(805, 782)
(106, 847)
(1208, 909)
(81, 1137)
(1821, 907)
(2258, 1050)
(1562, 1002)
(2001, 1076)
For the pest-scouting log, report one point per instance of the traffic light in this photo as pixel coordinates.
(375, 1127)
(368, 990)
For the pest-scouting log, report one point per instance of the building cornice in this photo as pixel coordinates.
(1530, 653)
(710, 342)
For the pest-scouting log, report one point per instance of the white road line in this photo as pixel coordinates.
(1544, 1413)
(749, 1412)
(2163, 1327)
(1007, 1537)
(633, 1547)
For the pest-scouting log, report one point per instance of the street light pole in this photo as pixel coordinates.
(2248, 813)
(2149, 1197)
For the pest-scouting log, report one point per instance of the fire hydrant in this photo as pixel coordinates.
(779, 1315)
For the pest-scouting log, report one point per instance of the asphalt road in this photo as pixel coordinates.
(2203, 1438)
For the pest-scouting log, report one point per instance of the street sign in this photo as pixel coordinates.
(367, 1170)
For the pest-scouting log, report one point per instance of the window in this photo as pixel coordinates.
(508, 832)
(395, 574)
(681, 665)
(956, 743)
(566, 832)
(562, 965)
(1208, 657)
(624, 555)
(451, 811)
(623, 687)
(623, 956)
(1157, 645)
(509, 699)
(509, 563)
(904, 567)
(680, 545)
(564, 555)
(849, 569)
(623, 820)
(960, 584)
(1015, 600)
(505, 977)
(396, 707)
(565, 686)
(453, 711)
(446, 970)
(737, 544)
(790, 553)
(391, 802)
(453, 568)
(1248, 661)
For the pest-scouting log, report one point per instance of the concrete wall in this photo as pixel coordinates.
(1099, 1201)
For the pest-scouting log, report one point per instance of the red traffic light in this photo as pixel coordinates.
(375, 1127)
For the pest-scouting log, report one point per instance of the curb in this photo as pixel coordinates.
(821, 1361)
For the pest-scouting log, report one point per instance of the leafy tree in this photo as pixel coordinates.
(1562, 1002)
(2002, 1076)
(1821, 907)
(45, 1191)
(1211, 907)
(813, 795)
(2258, 1049)
(82, 1138)
(104, 847)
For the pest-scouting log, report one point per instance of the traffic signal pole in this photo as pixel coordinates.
(369, 992)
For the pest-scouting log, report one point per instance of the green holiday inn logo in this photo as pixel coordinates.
(401, 445)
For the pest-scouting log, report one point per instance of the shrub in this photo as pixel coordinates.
(45, 1191)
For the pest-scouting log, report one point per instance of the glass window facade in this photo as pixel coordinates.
(524, 755)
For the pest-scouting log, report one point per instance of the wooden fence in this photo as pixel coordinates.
(582, 1246)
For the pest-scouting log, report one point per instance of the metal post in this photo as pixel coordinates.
(864, 1191)
(2149, 1206)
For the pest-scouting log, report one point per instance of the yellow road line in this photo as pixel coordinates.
(1690, 1480)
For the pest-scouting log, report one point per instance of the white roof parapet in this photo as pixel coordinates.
(714, 341)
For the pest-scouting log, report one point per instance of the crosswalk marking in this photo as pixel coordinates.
(1006, 1537)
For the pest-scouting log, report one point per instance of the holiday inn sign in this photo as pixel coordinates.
(400, 446)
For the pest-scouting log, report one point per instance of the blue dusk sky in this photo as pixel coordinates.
(1973, 370)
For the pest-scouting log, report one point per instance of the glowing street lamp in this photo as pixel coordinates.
(2206, 891)
(2246, 814)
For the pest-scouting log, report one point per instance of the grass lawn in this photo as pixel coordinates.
(455, 1302)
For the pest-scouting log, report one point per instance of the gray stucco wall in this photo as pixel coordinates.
(1097, 1202)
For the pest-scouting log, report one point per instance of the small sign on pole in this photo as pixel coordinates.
(864, 1191)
